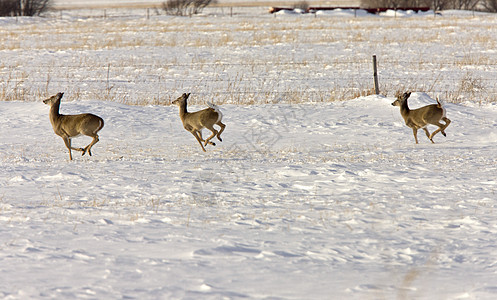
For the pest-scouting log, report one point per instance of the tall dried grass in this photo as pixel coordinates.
(303, 59)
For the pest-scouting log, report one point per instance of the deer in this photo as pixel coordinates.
(194, 122)
(421, 117)
(71, 126)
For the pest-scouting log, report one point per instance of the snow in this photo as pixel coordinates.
(301, 200)
(406, 13)
(343, 13)
(298, 201)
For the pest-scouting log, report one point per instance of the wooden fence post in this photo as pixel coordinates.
(108, 81)
(375, 76)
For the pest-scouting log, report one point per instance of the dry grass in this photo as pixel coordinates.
(307, 59)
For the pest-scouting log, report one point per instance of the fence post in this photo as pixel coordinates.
(157, 100)
(375, 76)
(108, 82)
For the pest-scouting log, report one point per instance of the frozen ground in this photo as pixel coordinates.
(299, 201)
(305, 198)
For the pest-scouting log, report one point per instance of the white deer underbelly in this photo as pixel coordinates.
(75, 136)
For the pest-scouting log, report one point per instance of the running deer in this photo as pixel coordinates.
(194, 122)
(71, 126)
(421, 117)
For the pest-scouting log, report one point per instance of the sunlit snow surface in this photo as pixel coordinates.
(300, 201)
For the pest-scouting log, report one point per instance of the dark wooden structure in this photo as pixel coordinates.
(377, 10)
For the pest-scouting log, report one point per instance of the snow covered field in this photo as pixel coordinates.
(252, 57)
(306, 197)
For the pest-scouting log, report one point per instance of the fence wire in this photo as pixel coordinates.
(245, 83)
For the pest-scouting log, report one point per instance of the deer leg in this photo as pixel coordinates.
(428, 134)
(220, 131)
(67, 141)
(88, 148)
(415, 133)
(202, 139)
(447, 122)
(199, 139)
(68, 145)
(199, 132)
(440, 128)
(214, 133)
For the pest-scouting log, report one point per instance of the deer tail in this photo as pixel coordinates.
(439, 104)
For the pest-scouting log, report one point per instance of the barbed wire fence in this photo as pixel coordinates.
(247, 83)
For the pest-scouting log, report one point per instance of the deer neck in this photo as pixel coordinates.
(404, 109)
(54, 112)
(183, 110)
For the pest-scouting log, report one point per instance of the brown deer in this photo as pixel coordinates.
(71, 126)
(194, 122)
(421, 117)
